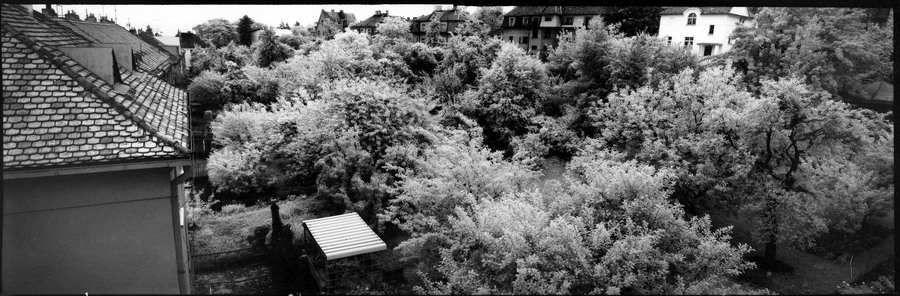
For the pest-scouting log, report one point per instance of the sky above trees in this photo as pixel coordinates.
(169, 19)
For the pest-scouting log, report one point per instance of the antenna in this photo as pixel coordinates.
(116, 13)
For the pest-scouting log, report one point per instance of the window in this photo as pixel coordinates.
(669, 40)
(548, 18)
(742, 20)
(587, 21)
(692, 19)
(712, 28)
(688, 42)
(443, 27)
(512, 21)
(424, 27)
(535, 20)
(534, 33)
(568, 20)
(524, 21)
(523, 39)
(510, 39)
(534, 47)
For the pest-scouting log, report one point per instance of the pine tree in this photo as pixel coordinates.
(244, 30)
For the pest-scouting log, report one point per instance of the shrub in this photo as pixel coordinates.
(208, 90)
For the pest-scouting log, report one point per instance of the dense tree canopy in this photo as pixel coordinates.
(832, 49)
(218, 32)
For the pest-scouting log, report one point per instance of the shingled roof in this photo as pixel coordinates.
(58, 113)
(152, 59)
(556, 10)
(444, 16)
(703, 10)
(372, 21)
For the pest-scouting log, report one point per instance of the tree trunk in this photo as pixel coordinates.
(771, 247)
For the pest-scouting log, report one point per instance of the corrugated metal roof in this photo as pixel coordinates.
(344, 236)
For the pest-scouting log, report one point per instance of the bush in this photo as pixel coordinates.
(208, 90)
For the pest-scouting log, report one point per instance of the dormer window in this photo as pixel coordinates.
(512, 21)
(525, 21)
(548, 18)
(692, 19)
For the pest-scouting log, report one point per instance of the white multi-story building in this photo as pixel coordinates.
(705, 30)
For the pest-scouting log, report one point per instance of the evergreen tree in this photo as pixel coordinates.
(245, 31)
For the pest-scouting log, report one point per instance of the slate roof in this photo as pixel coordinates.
(337, 16)
(152, 58)
(703, 10)
(58, 113)
(556, 10)
(372, 21)
(444, 16)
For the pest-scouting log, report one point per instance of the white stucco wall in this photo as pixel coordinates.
(676, 26)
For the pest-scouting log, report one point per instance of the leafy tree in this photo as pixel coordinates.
(610, 230)
(492, 16)
(789, 126)
(218, 32)
(245, 31)
(833, 49)
(270, 50)
(393, 28)
(633, 20)
(329, 28)
(595, 61)
(507, 96)
(688, 123)
(208, 90)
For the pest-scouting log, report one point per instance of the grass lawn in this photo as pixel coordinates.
(214, 232)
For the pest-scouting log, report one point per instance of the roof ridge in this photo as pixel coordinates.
(53, 58)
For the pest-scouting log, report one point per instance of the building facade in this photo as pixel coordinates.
(535, 29)
(445, 20)
(331, 23)
(95, 154)
(704, 31)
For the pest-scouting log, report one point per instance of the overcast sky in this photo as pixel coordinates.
(168, 19)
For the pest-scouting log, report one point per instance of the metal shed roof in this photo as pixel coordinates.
(344, 236)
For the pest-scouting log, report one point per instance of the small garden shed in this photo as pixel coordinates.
(340, 247)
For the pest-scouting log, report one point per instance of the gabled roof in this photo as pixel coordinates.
(152, 59)
(703, 10)
(444, 16)
(337, 16)
(372, 21)
(556, 10)
(169, 40)
(56, 112)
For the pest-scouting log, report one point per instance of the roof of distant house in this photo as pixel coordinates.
(56, 112)
(373, 21)
(703, 10)
(444, 16)
(556, 10)
(337, 16)
(169, 40)
(153, 59)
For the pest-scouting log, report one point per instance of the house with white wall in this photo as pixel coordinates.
(704, 30)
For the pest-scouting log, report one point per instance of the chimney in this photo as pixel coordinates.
(91, 18)
(378, 12)
(71, 15)
(386, 12)
(437, 8)
(49, 11)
